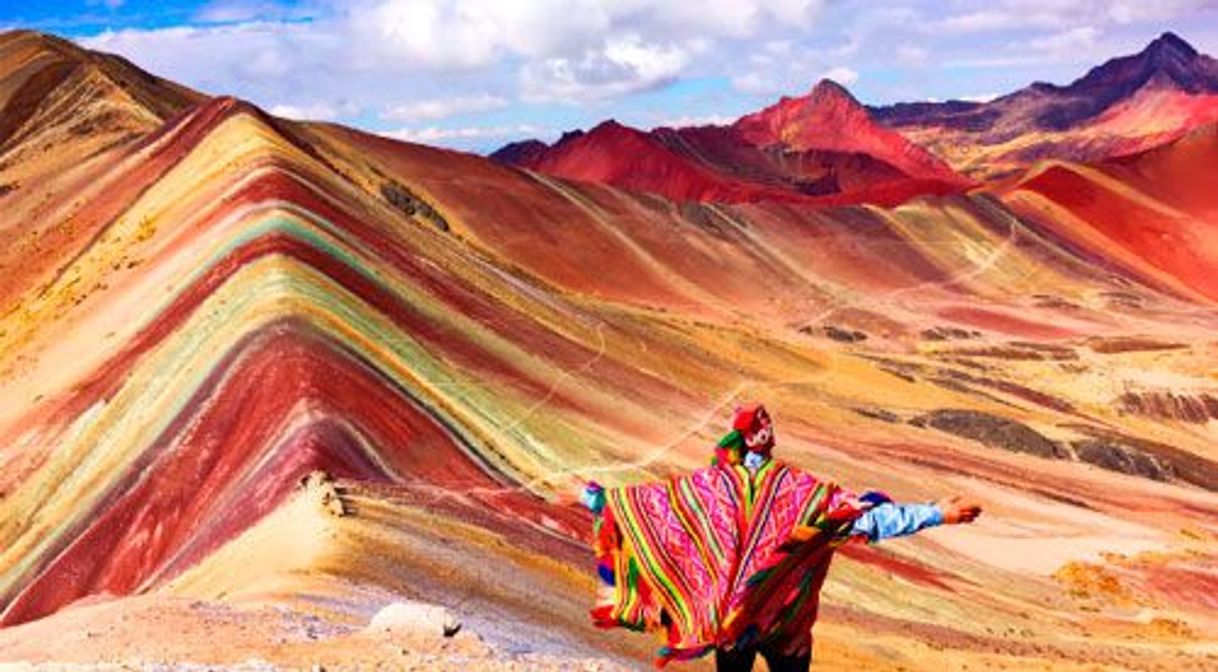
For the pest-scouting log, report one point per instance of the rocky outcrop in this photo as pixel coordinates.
(841, 335)
(1110, 345)
(1099, 447)
(1018, 352)
(942, 333)
(992, 430)
(1193, 408)
(1120, 452)
(1116, 456)
(406, 202)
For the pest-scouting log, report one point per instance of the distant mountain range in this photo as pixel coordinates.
(780, 153)
(825, 147)
(1166, 64)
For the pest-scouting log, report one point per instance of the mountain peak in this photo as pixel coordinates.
(1170, 44)
(520, 153)
(827, 109)
(608, 125)
(829, 89)
(1167, 62)
(45, 42)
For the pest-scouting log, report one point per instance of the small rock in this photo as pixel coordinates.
(416, 617)
(321, 487)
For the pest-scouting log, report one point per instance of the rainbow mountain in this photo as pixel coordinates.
(263, 377)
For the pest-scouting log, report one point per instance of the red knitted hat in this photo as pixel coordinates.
(755, 427)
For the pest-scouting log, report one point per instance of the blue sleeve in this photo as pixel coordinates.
(593, 497)
(889, 520)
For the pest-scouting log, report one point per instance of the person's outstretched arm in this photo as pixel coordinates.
(890, 520)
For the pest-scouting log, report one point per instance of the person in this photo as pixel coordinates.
(731, 558)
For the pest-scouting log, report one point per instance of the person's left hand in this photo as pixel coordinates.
(959, 509)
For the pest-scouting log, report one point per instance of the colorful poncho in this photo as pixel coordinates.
(709, 558)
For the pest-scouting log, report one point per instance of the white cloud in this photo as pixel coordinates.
(912, 55)
(216, 57)
(432, 134)
(440, 108)
(799, 13)
(984, 20)
(1005, 15)
(415, 62)
(842, 75)
(696, 120)
(1066, 42)
(314, 111)
(574, 51)
(233, 11)
(1132, 11)
(620, 67)
(571, 50)
(784, 66)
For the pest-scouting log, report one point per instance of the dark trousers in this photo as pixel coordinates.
(742, 660)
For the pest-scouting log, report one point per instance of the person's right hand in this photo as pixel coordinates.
(959, 509)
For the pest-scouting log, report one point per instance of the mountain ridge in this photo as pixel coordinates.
(927, 140)
(779, 153)
(1102, 86)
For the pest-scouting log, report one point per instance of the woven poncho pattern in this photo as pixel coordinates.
(709, 558)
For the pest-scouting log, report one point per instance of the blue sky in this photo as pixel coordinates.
(474, 74)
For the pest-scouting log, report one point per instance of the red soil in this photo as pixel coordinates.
(1179, 245)
(1002, 322)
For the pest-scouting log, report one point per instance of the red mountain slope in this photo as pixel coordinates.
(624, 157)
(1155, 211)
(830, 119)
(822, 148)
(1179, 173)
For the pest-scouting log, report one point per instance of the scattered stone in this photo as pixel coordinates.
(1089, 580)
(948, 334)
(1171, 627)
(1056, 302)
(1119, 344)
(880, 414)
(416, 618)
(1019, 352)
(906, 371)
(842, 335)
